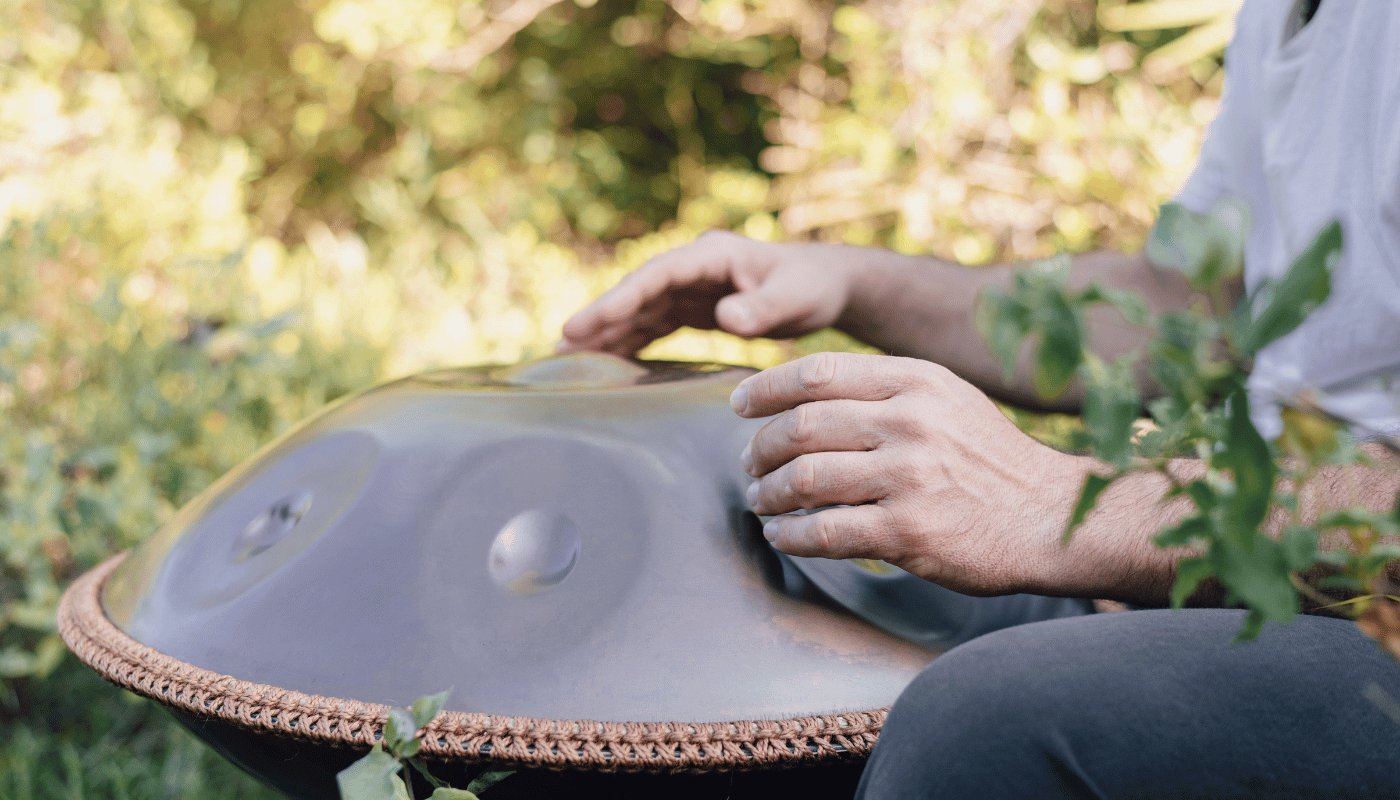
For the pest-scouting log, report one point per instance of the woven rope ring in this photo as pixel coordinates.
(515, 741)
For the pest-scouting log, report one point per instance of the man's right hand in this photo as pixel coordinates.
(721, 280)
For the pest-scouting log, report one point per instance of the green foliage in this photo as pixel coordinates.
(1200, 364)
(386, 771)
(124, 749)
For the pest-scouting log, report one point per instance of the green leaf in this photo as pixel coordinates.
(373, 777)
(425, 708)
(1246, 455)
(1343, 582)
(1207, 248)
(1129, 304)
(1094, 485)
(1004, 326)
(1252, 627)
(1278, 307)
(1299, 547)
(1111, 407)
(1178, 239)
(448, 793)
(1183, 533)
(1359, 519)
(400, 733)
(1061, 346)
(486, 780)
(1257, 575)
(1190, 573)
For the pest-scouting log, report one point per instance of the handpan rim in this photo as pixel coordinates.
(657, 747)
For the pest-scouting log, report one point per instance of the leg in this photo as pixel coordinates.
(1150, 704)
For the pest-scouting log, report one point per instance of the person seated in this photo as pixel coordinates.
(911, 462)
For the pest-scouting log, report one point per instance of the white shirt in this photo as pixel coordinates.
(1309, 130)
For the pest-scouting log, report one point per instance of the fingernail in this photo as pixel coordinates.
(746, 458)
(770, 530)
(739, 400)
(751, 493)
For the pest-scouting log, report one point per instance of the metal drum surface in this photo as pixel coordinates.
(563, 544)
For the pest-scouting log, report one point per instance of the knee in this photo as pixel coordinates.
(977, 717)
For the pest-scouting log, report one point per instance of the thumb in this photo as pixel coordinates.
(760, 310)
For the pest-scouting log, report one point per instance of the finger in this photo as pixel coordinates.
(708, 259)
(818, 427)
(650, 320)
(821, 479)
(785, 299)
(827, 376)
(632, 343)
(854, 532)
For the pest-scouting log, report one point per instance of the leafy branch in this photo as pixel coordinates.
(386, 771)
(1199, 360)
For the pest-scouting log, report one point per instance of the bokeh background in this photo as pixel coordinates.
(218, 215)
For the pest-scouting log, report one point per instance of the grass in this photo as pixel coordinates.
(75, 736)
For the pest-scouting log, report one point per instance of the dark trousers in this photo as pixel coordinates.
(1148, 704)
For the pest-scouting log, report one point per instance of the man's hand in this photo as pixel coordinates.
(721, 280)
(930, 475)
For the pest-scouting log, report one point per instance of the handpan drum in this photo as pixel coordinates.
(563, 544)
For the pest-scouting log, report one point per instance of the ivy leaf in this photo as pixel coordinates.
(1190, 573)
(425, 708)
(1246, 455)
(1094, 485)
(373, 777)
(486, 780)
(1111, 406)
(1278, 307)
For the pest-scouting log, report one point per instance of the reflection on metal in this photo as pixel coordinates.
(922, 612)
(535, 550)
(271, 526)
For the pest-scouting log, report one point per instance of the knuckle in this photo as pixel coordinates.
(824, 534)
(804, 425)
(817, 372)
(803, 478)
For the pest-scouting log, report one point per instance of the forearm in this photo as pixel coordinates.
(1112, 554)
(926, 308)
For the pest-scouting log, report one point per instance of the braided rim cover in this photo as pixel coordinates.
(453, 735)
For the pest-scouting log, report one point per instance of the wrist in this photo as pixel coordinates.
(1054, 565)
(879, 286)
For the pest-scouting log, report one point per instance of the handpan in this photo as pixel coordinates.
(563, 544)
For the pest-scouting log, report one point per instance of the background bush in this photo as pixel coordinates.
(216, 216)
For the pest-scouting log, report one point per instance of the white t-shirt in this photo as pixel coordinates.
(1309, 130)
